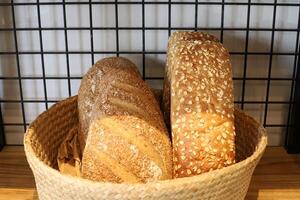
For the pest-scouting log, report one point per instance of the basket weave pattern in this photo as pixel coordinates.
(47, 132)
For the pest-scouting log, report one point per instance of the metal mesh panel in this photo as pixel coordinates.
(44, 45)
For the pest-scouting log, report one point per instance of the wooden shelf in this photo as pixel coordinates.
(276, 177)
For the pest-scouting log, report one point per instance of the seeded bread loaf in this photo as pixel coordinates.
(127, 139)
(176, 37)
(90, 89)
(202, 107)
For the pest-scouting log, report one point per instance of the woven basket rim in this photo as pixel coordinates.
(30, 154)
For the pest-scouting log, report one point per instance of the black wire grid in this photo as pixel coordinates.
(292, 142)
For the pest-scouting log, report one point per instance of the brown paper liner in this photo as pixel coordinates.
(69, 154)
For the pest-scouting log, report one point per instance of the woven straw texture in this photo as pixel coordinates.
(46, 133)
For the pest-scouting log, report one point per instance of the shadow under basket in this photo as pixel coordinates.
(47, 132)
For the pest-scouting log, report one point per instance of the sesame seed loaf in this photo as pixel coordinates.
(127, 139)
(90, 88)
(176, 37)
(202, 107)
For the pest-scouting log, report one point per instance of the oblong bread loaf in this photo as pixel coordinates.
(202, 107)
(127, 139)
(90, 88)
(177, 37)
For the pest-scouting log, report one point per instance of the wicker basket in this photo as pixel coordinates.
(46, 133)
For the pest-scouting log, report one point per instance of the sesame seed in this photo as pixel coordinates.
(188, 109)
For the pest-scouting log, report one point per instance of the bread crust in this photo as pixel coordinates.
(90, 88)
(174, 38)
(202, 107)
(127, 139)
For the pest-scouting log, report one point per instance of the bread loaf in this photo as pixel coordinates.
(176, 37)
(127, 139)
(202, 107)
(90, 89)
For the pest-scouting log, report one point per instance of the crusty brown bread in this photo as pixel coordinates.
(176, 37)
(202, 107)
(127, 139)
(90, 89)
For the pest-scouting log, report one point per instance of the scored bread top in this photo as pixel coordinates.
(130, 151)
(90, 88)
(202, 107)
(124, 94)
(127, 139)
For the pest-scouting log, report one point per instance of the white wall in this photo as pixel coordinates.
(209, 16)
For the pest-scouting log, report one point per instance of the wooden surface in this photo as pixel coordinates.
(276, 177)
